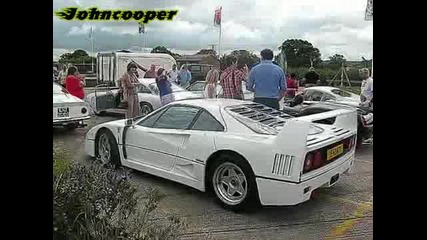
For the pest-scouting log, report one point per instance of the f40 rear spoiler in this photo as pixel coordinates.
(297, 129)
(344, 118)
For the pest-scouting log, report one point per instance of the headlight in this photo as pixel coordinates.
(367, 119)
(90, 134)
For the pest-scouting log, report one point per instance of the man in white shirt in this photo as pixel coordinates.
(62, 75)
(173, 74)
(367, 88)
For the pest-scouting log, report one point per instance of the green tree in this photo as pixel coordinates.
(300, 53)
(163, 49)
(77, 57)
(336, 60)
(244, 56)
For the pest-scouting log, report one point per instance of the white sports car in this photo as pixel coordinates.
(323, 93)
(148, 95)
(68, 111)
(246, 152)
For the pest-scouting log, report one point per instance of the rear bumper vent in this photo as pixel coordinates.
(283, 164)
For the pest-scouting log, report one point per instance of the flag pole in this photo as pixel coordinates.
(93, 46)
(369, 16)
(220, 33)
(142, 32)
(218, 23)
(219, 40)
(93, 49)
(145, 40)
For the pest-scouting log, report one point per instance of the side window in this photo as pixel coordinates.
(207, 122)
(341, 93)
(316, 96)
(143, 89)
(307, 95)
(196, 68)
(328, 97)
(206, 69)
(176, 117)
(154, 88)
(197, 87)
(151, 119)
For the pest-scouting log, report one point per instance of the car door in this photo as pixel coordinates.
(200, 142)
(145, 95)
(155, 140)
(104, 97)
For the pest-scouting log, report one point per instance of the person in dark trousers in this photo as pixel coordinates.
(311, 77)
(267, 81)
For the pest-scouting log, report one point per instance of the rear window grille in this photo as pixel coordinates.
(261, 114)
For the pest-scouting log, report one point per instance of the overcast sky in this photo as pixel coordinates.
(333, 26)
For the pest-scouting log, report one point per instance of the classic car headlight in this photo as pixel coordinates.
(84, 110)
(90, 134)
(367, 119)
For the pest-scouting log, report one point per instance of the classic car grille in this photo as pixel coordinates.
(73, 111)
(283, 164)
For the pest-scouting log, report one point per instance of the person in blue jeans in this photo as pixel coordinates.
(184, 76)
(164, 86)
(267, 81)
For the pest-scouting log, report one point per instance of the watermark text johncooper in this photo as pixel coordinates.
(93, 14)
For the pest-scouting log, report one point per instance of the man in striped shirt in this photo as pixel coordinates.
(231, 80)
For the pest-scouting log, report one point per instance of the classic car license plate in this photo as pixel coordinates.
(335, 151)
(63, 112)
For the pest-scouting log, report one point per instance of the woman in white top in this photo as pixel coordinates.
(210, 90)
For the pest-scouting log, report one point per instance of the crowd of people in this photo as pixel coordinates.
(70, 78)
(128, 85)
(268, 82)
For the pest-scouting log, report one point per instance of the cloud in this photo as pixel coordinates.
(333, 26)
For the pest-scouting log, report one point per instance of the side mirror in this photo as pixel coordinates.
(129, 122)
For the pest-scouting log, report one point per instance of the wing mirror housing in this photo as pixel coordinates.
(130, 123)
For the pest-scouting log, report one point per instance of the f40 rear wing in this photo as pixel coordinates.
(343, 118)
(297, 129)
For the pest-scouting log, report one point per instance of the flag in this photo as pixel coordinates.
(369, 12)
(91, 33)
(141, 27)
(217, 17)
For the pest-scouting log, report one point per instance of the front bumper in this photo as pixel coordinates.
(366, 132)
(71, 121)
(90, 147)
(279, 193)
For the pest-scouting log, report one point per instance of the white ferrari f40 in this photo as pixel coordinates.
(243, 152)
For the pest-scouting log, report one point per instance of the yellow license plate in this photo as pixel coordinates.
(335, 151)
